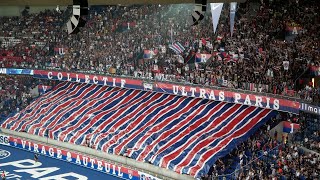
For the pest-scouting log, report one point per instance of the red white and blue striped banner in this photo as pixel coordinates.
(171, 88)
(183, 134)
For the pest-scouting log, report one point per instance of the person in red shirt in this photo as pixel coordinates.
(3, 175)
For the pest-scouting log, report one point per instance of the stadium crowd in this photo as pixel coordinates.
(262, 156)
(263, 55)
(309, 134)
(271, 46)
(14, 94)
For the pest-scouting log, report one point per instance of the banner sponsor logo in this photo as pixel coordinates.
(4, 154)
(215, 12)
(310, 108)
(148, 86)
(16, 71)
(78, 159)
(3, 71)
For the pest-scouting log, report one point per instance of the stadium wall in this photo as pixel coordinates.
(85, 150)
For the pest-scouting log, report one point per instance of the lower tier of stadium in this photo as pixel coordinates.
(186, 135)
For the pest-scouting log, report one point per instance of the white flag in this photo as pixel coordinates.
(286, 65)
(215, 12)
(233, 7)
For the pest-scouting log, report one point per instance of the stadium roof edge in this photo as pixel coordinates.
(100, 2)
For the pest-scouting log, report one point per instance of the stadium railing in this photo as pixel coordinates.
(266, 157)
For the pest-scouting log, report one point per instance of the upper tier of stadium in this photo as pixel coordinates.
(183, 134)
(115, 38)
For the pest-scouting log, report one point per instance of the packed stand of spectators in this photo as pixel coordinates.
(262, 156)
(309, 133)
(15, 93)
(115, 38)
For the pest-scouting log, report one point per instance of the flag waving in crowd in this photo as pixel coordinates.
(177, 47)
(43, 89)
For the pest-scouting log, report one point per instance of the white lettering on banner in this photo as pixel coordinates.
(51, 152)
(246, 99)
(68, 75)
(43, 151)
(69, 158)
(114, 82)
(123, 82)
(276, 104)
(92, 161)
(95, 80)
(87, 79)
(237, 97)
(23, 143)
(203, 93)
(113, 169)
(3, 71)
(85, 161)
(212, 96)
(175, 89)
(184, 92)
(29, 146)
(4, 140)
(193, 90)
(100, 165)
(44, 88)
(78, 160)
(77, 78)
(105, 79)
(120, 174)
(50, 75)
(60, 76)
(107, 167)
(59, 155)
(232, 97)
(31, 167)
(35, 148)
(221, 96)
(310, 108)
(291, 125)
(268, 102)
(258, 101)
